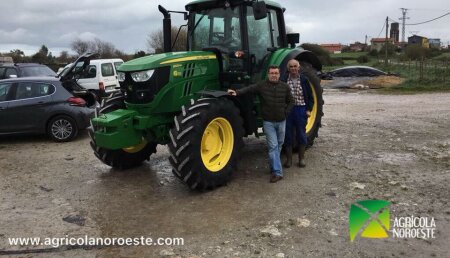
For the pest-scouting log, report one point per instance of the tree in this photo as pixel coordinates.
(79, 46)
(102, 48)
(391, 49)
(17, 55)
(43, 56)
(155, 40)
(64, 57)
(321, 53)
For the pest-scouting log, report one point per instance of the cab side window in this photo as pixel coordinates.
(107, 70)
(27, 90)
(4, 90)
(117, 64)
(9, 72)
(91, 72)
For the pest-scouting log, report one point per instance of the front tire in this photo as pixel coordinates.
(205, 142)
(62, 128)
(125, 158)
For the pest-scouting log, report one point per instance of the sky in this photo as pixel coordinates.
(28, 24)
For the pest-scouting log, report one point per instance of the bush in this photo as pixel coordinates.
(362, 59)
(416, 52)
(336, 61)
(373, 53)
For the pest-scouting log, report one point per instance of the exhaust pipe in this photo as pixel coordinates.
(167, 29)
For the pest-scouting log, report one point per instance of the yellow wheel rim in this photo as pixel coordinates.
(136, 148)
(217, 144)
(312, 117)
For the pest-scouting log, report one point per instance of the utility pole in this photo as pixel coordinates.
(386, 42)
(365, 42)
(403, 19)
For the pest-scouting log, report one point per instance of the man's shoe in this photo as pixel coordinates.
(301, 156)
(288, 162)
(275, 178)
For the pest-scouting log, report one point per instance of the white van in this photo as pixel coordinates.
(101, 76)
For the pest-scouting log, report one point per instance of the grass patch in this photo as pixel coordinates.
(443, 57)
(414, 86)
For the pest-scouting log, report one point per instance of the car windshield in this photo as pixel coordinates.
(216, 28)
(31, 71)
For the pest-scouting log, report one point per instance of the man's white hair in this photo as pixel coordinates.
(291, 61)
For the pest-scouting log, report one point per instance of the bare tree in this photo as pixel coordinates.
(80, 46)
(102, 48)
(155, 40)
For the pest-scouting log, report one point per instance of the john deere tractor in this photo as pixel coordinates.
(180, 99)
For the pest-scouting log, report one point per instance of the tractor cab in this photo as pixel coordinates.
(242, 34)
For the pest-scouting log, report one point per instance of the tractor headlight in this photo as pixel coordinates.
(121, 76)
(142, 76)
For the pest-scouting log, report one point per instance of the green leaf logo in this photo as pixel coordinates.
(371, 218)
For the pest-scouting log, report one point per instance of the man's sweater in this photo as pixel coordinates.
(276, 99)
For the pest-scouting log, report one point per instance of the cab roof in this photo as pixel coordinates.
(198, 4)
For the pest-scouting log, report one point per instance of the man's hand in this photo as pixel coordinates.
(308, 113)
(231, 92)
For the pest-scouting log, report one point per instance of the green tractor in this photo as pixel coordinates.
(180, 98)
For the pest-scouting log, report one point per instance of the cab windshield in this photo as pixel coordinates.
(216, 28)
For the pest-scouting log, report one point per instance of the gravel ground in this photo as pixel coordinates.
(371, 146)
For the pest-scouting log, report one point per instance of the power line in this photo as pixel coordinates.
(429, 20)
(384, 24)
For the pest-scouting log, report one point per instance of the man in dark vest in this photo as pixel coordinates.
(298, 117)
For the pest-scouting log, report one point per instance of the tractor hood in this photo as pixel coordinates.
(164, 59)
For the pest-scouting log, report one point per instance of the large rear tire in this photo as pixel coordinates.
(205, 142)
(315, 120)
(123, 158)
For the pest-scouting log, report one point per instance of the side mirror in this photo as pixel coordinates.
(293, 38)
(259, 10)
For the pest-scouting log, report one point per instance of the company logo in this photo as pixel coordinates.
(369, 219)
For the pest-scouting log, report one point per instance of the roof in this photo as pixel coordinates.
(381, 39)
(41, 78)
(21, 64)
(196, 2)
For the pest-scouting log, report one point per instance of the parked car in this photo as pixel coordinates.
(9, 70)
(57, 106)
(100, 76)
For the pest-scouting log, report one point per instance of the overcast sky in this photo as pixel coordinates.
(27, 24)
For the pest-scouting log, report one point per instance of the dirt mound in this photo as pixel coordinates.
(383, 82)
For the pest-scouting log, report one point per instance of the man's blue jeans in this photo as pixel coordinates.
(275, 132)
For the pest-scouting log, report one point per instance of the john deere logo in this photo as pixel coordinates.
(370, 219)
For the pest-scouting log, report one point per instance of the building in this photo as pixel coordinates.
(332, 48)
(418, 40)
(6, 59)
(435, 43)
(395, 33)
(378, 43)
(358, 46)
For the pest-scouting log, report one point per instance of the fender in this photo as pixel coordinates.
(282, 56)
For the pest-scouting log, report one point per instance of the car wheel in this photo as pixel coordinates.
(62, 129)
